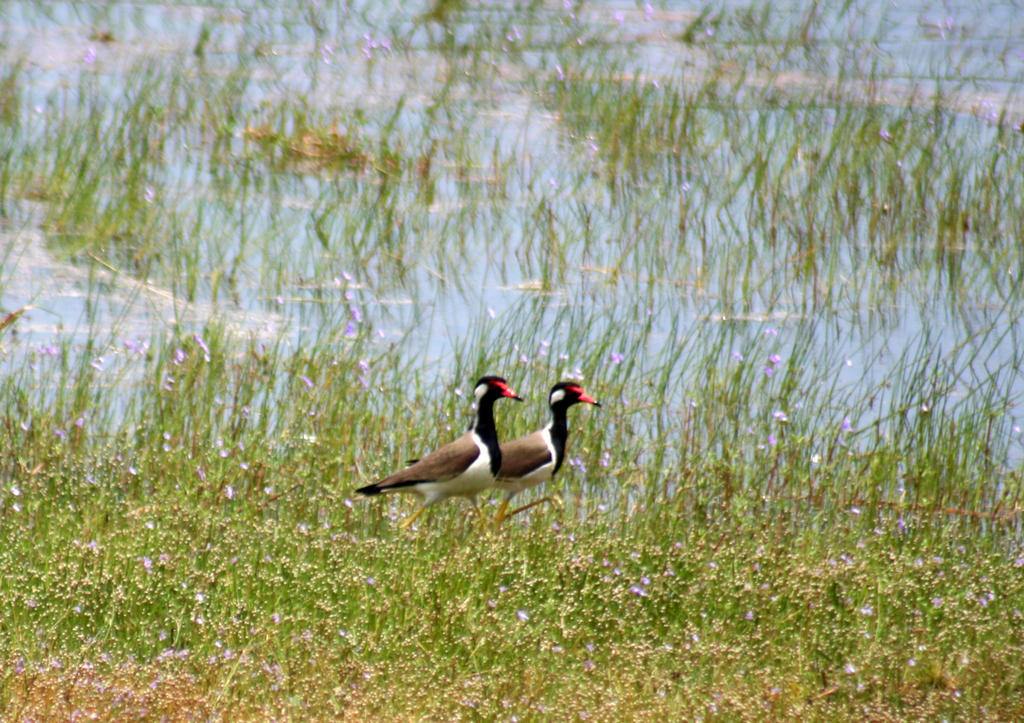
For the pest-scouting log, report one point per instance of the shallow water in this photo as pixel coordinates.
(532, 228)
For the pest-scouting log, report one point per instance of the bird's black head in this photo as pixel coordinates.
(493, 388)
(569, 393)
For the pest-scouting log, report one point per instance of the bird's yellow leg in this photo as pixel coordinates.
(500, 517)
(532, 504)
(411, 518)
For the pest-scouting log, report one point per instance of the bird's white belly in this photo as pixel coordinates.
(541, 474)
(474, 480)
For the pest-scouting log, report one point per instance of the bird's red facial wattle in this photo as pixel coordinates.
(506, 391)
(582, 395)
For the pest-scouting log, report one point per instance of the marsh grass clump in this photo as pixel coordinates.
(315, 148)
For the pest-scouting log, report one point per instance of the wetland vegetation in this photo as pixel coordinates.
(252, 258)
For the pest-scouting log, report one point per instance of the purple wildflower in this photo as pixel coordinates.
(370, 45)
(202, 344)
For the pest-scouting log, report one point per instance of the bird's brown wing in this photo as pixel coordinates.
(449, 461)
(521, 456)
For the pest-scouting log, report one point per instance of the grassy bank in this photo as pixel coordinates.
(204, 554)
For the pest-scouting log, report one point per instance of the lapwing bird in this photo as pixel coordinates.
(461, 468)
(535, 458)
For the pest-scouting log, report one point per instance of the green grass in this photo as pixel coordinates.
(259, 260)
